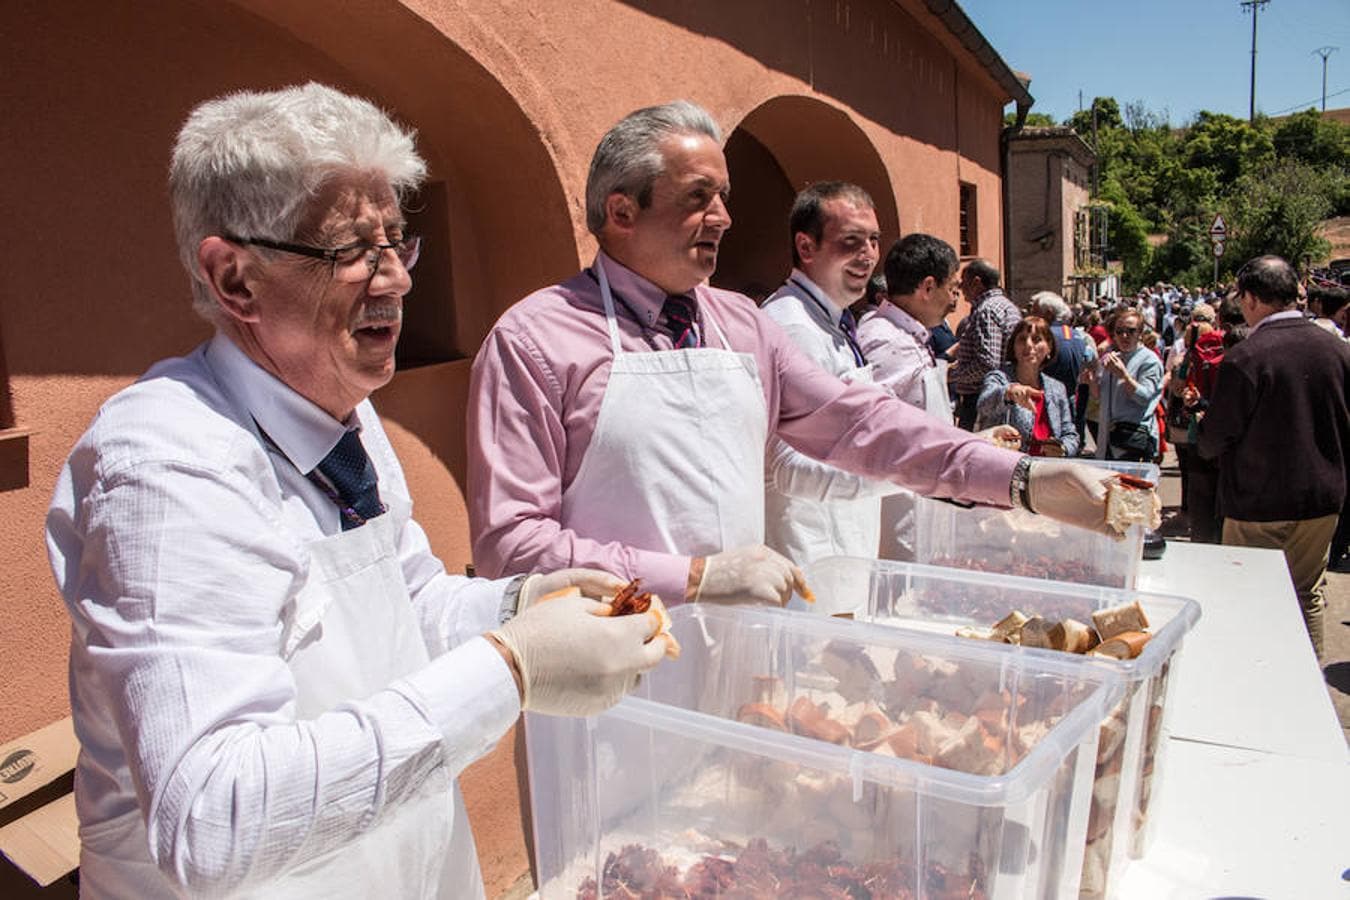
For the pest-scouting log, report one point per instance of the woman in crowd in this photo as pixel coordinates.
(1018, 394)
(1129, 387)
(1193, 371)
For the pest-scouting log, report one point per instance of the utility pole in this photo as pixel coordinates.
(1324, 52)
(1255, 7)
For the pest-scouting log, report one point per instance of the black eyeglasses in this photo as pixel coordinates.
(1127, 331)
(351, 264)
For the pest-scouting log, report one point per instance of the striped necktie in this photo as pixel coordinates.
(849, 326)
(680, 311)
(351, 473)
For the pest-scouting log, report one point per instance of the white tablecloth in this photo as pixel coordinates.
(1255, 797)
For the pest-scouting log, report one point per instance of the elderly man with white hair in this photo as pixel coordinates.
(274, 682)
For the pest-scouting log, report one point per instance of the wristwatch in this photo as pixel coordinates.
(1018, 490)
(511, 599)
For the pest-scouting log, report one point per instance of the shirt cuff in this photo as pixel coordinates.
(991, 470)
(666, 576)
(470, 695)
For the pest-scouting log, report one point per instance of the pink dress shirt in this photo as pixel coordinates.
(535, 396)
(896, 344)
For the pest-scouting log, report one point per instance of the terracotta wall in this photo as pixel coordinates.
(509, 100)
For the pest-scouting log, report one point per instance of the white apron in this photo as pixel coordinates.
(899, 526)
(805, 529)
(676, 463)
(350, 634)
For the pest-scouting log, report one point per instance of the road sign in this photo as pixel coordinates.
(1219, 230)
(1218, 249)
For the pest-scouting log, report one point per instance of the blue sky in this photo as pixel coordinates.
(1181, 56)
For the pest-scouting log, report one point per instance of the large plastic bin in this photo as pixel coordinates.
(1130, 749)
(1015, 542)
(680, 789)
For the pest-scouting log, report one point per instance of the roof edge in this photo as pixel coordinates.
(964, 30)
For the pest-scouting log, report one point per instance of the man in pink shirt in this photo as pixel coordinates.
(619, 419)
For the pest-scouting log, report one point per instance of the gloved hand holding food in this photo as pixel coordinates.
(1091, 497)
(573, 658)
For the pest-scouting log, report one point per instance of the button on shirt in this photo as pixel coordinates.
(535, 395)
(897, 346)
(178, 539)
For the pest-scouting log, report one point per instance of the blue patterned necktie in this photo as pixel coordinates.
(679, 311)
(352, 474)
(849, 326)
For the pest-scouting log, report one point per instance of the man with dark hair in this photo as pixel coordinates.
(1325, 300)
(813, 510)
(992, 319)
(1277, 424)
(921, 280)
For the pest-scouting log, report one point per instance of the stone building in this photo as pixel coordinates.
(1051, 232)
(904, 97)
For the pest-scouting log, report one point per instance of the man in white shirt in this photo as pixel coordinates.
(273, 680)
(923, 282)
(811, 509)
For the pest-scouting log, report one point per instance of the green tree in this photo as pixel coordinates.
(1108, 116)
(1307, 137)
(1277, 210)
(1034, 120)
(1127, 232)
(1229, 146)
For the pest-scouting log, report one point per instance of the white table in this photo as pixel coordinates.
(1249, 676)
(1255, 793)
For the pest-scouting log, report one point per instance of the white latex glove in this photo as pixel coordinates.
(1070, 492)
(1005, 436)
(577, 660)
(592, 582)
(752, 574)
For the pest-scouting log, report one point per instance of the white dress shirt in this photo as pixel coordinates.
(812, 509)
(178, 539)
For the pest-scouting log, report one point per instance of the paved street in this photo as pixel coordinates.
(1336, 664)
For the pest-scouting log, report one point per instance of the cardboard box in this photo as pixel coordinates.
(39, 832)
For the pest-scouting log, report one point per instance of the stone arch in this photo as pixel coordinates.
(777, 149)
(504, 210)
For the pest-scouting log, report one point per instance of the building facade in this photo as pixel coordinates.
(1052, 233)
(509, 100)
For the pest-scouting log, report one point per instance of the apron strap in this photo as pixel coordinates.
(608, 297)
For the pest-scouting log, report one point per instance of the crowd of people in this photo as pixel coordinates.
(274, 681)
(1260, 443)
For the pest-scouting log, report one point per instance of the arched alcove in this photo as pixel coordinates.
(780, 147)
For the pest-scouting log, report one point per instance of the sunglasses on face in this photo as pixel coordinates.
(1127, 331)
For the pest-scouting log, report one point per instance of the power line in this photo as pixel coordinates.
(1307, 103)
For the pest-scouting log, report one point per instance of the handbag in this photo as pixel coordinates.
(1131, 437)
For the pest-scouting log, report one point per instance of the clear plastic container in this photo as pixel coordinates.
(1016, 542)
(713, 780)
(1130, 748)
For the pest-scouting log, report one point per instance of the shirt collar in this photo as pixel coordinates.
(904, 321)
(642, 298)
(992, 292)
(302, 431)
(799, 278)
(1276, 317)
